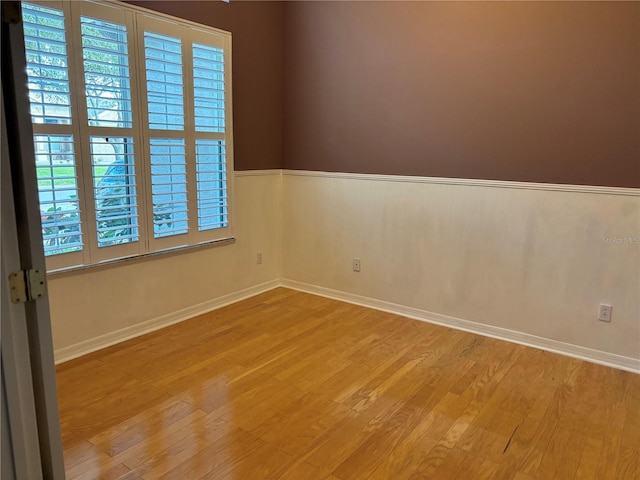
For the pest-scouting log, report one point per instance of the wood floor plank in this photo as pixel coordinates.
(572, 455)
(608, 463)
(627, 464)
(451, 464)
(217, 458)
(139, 427)
(554, 453)
(294, 431)
(287, 385)
(168, 448)
(524, 476)
(300, 470)
(266, 461)
(589, 459)
(97, 466)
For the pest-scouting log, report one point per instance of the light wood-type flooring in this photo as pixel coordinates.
(298, 387)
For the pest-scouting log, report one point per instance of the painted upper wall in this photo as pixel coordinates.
(527, 91)
(257, 29)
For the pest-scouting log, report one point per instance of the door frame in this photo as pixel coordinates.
(32, 319)
(17, 383)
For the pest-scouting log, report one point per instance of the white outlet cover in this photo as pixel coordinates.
(605, 312)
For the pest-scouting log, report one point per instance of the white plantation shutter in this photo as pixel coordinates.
(208, 88)
(164, 75)
(131, 113)
(186, 87)
(166, 131)
(112, 159)
(211, 184)
(213, 138)
(111, 140)
(47, 64)
(165, 93)
(55, 133)
(169, 187)
(58, 192)
(106, 73)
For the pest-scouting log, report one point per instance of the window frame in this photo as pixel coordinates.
(137, 20)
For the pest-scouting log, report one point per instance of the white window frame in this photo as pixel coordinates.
(137, 20)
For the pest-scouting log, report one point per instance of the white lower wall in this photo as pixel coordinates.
(531, 259)
(99, 306)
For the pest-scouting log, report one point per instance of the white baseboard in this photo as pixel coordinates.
(567, 349)
(111, 338)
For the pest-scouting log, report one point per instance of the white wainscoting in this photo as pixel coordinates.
(525, 262)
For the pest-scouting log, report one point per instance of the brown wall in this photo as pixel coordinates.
(257, 29)
(528, 91)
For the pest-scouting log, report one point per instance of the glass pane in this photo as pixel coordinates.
(47, 65)
(58, 192)
(106, 73)
(164, 81)
(169, 187)
(208, 88)
(212, 184)
(114, 184)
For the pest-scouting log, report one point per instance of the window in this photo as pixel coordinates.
(131, 117)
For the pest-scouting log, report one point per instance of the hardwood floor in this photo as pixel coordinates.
(293, 386)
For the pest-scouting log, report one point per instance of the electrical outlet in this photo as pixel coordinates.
(356, 264)
(259, 258)
(605, 313)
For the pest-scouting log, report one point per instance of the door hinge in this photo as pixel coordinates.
(27, 285)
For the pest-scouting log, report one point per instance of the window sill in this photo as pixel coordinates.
(139, 258)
